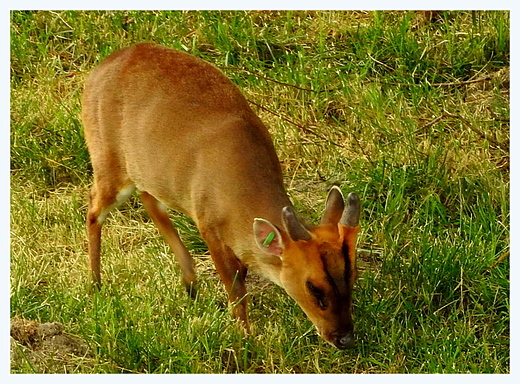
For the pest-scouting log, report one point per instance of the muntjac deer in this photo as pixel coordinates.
(178, 130)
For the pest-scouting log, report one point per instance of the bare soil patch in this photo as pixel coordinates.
(46, 348)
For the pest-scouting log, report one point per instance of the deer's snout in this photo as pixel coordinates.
(345, 340)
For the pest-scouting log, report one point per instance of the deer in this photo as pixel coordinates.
(176, 129)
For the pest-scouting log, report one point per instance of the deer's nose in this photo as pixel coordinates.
(345, 341)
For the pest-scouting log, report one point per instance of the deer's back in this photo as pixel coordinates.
(179, 129)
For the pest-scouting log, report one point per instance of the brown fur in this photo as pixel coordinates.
(179, 131)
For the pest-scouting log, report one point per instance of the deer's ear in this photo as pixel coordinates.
(268, 237)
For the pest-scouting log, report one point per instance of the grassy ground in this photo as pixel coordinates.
(411, 113)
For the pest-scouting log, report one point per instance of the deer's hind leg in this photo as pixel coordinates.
(105, 195)
(102, 200)
(157, 212)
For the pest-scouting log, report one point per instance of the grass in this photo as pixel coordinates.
(412, 114)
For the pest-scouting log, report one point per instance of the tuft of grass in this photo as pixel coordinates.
(411, 112)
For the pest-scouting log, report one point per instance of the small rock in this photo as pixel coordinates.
(50, 329)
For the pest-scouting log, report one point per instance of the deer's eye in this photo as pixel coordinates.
(318, 294)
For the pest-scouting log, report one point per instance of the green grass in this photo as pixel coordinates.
(412, 115)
